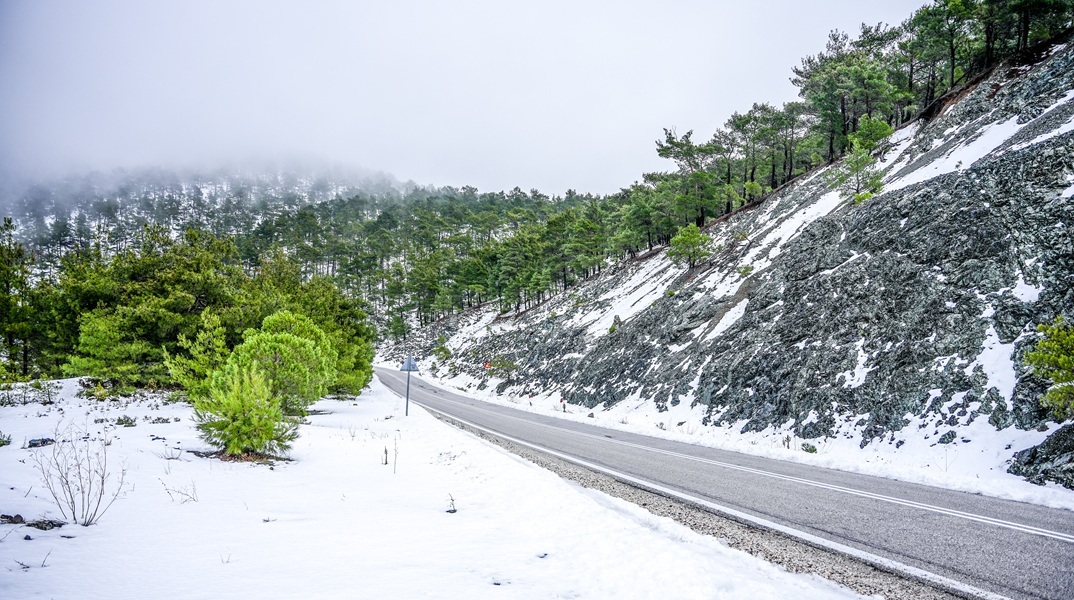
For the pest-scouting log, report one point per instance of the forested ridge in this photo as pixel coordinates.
(102, 278)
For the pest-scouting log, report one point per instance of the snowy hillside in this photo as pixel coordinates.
(896, 327)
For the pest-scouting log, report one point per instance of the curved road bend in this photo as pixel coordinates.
(1004, 547)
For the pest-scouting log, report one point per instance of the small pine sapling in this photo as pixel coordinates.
(689, 246)
(441, 351)
(293, 367)
(857, 177)
(240, 416)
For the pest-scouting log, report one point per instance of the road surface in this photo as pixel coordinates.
(1000, 546)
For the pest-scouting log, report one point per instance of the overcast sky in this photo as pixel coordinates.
(549, 95)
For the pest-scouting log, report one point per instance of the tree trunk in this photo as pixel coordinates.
(790, 157)
(951, 57)
(910, 83)
(843, 113)
(990, 38)
(1023, 30)
(772, 174)
(930, 89)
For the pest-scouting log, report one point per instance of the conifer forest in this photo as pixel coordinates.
(123, 276)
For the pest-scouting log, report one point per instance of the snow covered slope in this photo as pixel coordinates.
(896, 324)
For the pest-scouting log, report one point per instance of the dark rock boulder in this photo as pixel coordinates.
(1052, 460)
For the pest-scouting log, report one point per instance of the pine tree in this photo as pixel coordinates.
(690, 246)
(105, 353)
(301, 326)
(857, 177)
(240, 416)
(345, 323)
(293, 367)
(14, 308)
(206, 353)
(1053, 358)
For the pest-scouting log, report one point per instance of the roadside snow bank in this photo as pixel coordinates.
(335, 522)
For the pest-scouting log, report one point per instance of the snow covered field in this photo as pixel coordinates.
(336, 522)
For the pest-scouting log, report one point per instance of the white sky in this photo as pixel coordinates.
(549, 95)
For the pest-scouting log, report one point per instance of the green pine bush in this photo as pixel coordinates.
(106, 353)
(689, 246)
(286, 321)
(239, 416)
(1053, 358)
(296, 369)
(441, 351)
(206, 353)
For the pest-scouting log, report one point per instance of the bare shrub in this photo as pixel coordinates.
(181, 494)
(170, 454)
(76, 472)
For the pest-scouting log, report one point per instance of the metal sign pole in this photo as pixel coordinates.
(409, 365)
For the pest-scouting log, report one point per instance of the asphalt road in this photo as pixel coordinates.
(1004, 547)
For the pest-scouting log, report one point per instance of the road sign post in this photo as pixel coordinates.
(409, 365)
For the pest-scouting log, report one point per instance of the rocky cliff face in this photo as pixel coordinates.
(915, 307)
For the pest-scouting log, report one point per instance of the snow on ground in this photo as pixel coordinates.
(476, 329)
(900, 141)
(995, 361)
(761, 255)
(646, 284)
(335, 522)
(775, 227)
(1024, 291)
(856, 378)
(976, 461)
(962, 155)
(1064, 128)
(959, 157)
(729, 318)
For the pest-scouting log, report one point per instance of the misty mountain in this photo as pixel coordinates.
(224, 200)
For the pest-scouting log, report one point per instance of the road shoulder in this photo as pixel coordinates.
(793, 555)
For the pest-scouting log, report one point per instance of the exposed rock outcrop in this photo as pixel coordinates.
(841, 319)
(1051, 461)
